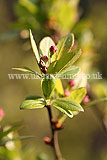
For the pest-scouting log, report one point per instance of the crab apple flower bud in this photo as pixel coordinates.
(44, 69)
(86, 99)
(44, 58)
(41, 64)
(1, 113)
(66, 93)
(53, 50)
(71, 83)
(47, 140)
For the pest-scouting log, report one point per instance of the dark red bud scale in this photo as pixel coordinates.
(56, 122)
(44, 58)
(41, 64)
(53, 50)
(44, 69)
(71, 83)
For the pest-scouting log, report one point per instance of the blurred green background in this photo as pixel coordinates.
(83, 136)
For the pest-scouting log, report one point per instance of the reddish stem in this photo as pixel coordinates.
(54, 140)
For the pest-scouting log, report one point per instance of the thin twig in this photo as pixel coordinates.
(54, 140)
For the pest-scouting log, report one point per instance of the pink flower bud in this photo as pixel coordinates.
(71, 83)
(44, 58)
(47, 140)
(53, 49)
(1, 113)
(86, 99)
(41, 64)
(66, 93)
(44, 69)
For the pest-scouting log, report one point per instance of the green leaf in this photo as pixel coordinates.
(5, 133)
(68, 73)
(29, 5)
(45, 45)
(33, 104)
(67, 105)
(26, 69)
(59, 87)
(34, 47)
(48, 85)
(78, 94)
(64, 45)
(97, 101)
(65, 62)
(7, 139)
(51, 67)
(61, 120)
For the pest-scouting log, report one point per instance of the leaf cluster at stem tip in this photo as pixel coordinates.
(53, 59)
(60, 61)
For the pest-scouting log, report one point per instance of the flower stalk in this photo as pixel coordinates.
(54, 140)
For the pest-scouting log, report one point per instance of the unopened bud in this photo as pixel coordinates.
(71, 83)
(66, 93)
(47, 140)
(86, 99)
(53, 50)
(44, 58)
(41, 64)
(44, 69)
(1, 113)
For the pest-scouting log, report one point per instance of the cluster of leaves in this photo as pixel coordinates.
(60, 63)
(35, 15)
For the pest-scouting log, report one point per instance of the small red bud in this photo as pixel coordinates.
(53, 49)
(86, 99)
(44, 58)
(56, 122)
(1, 113)
(66, 93)
(47, 140)
(44, 69)
(71, 83)
(41, 64)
